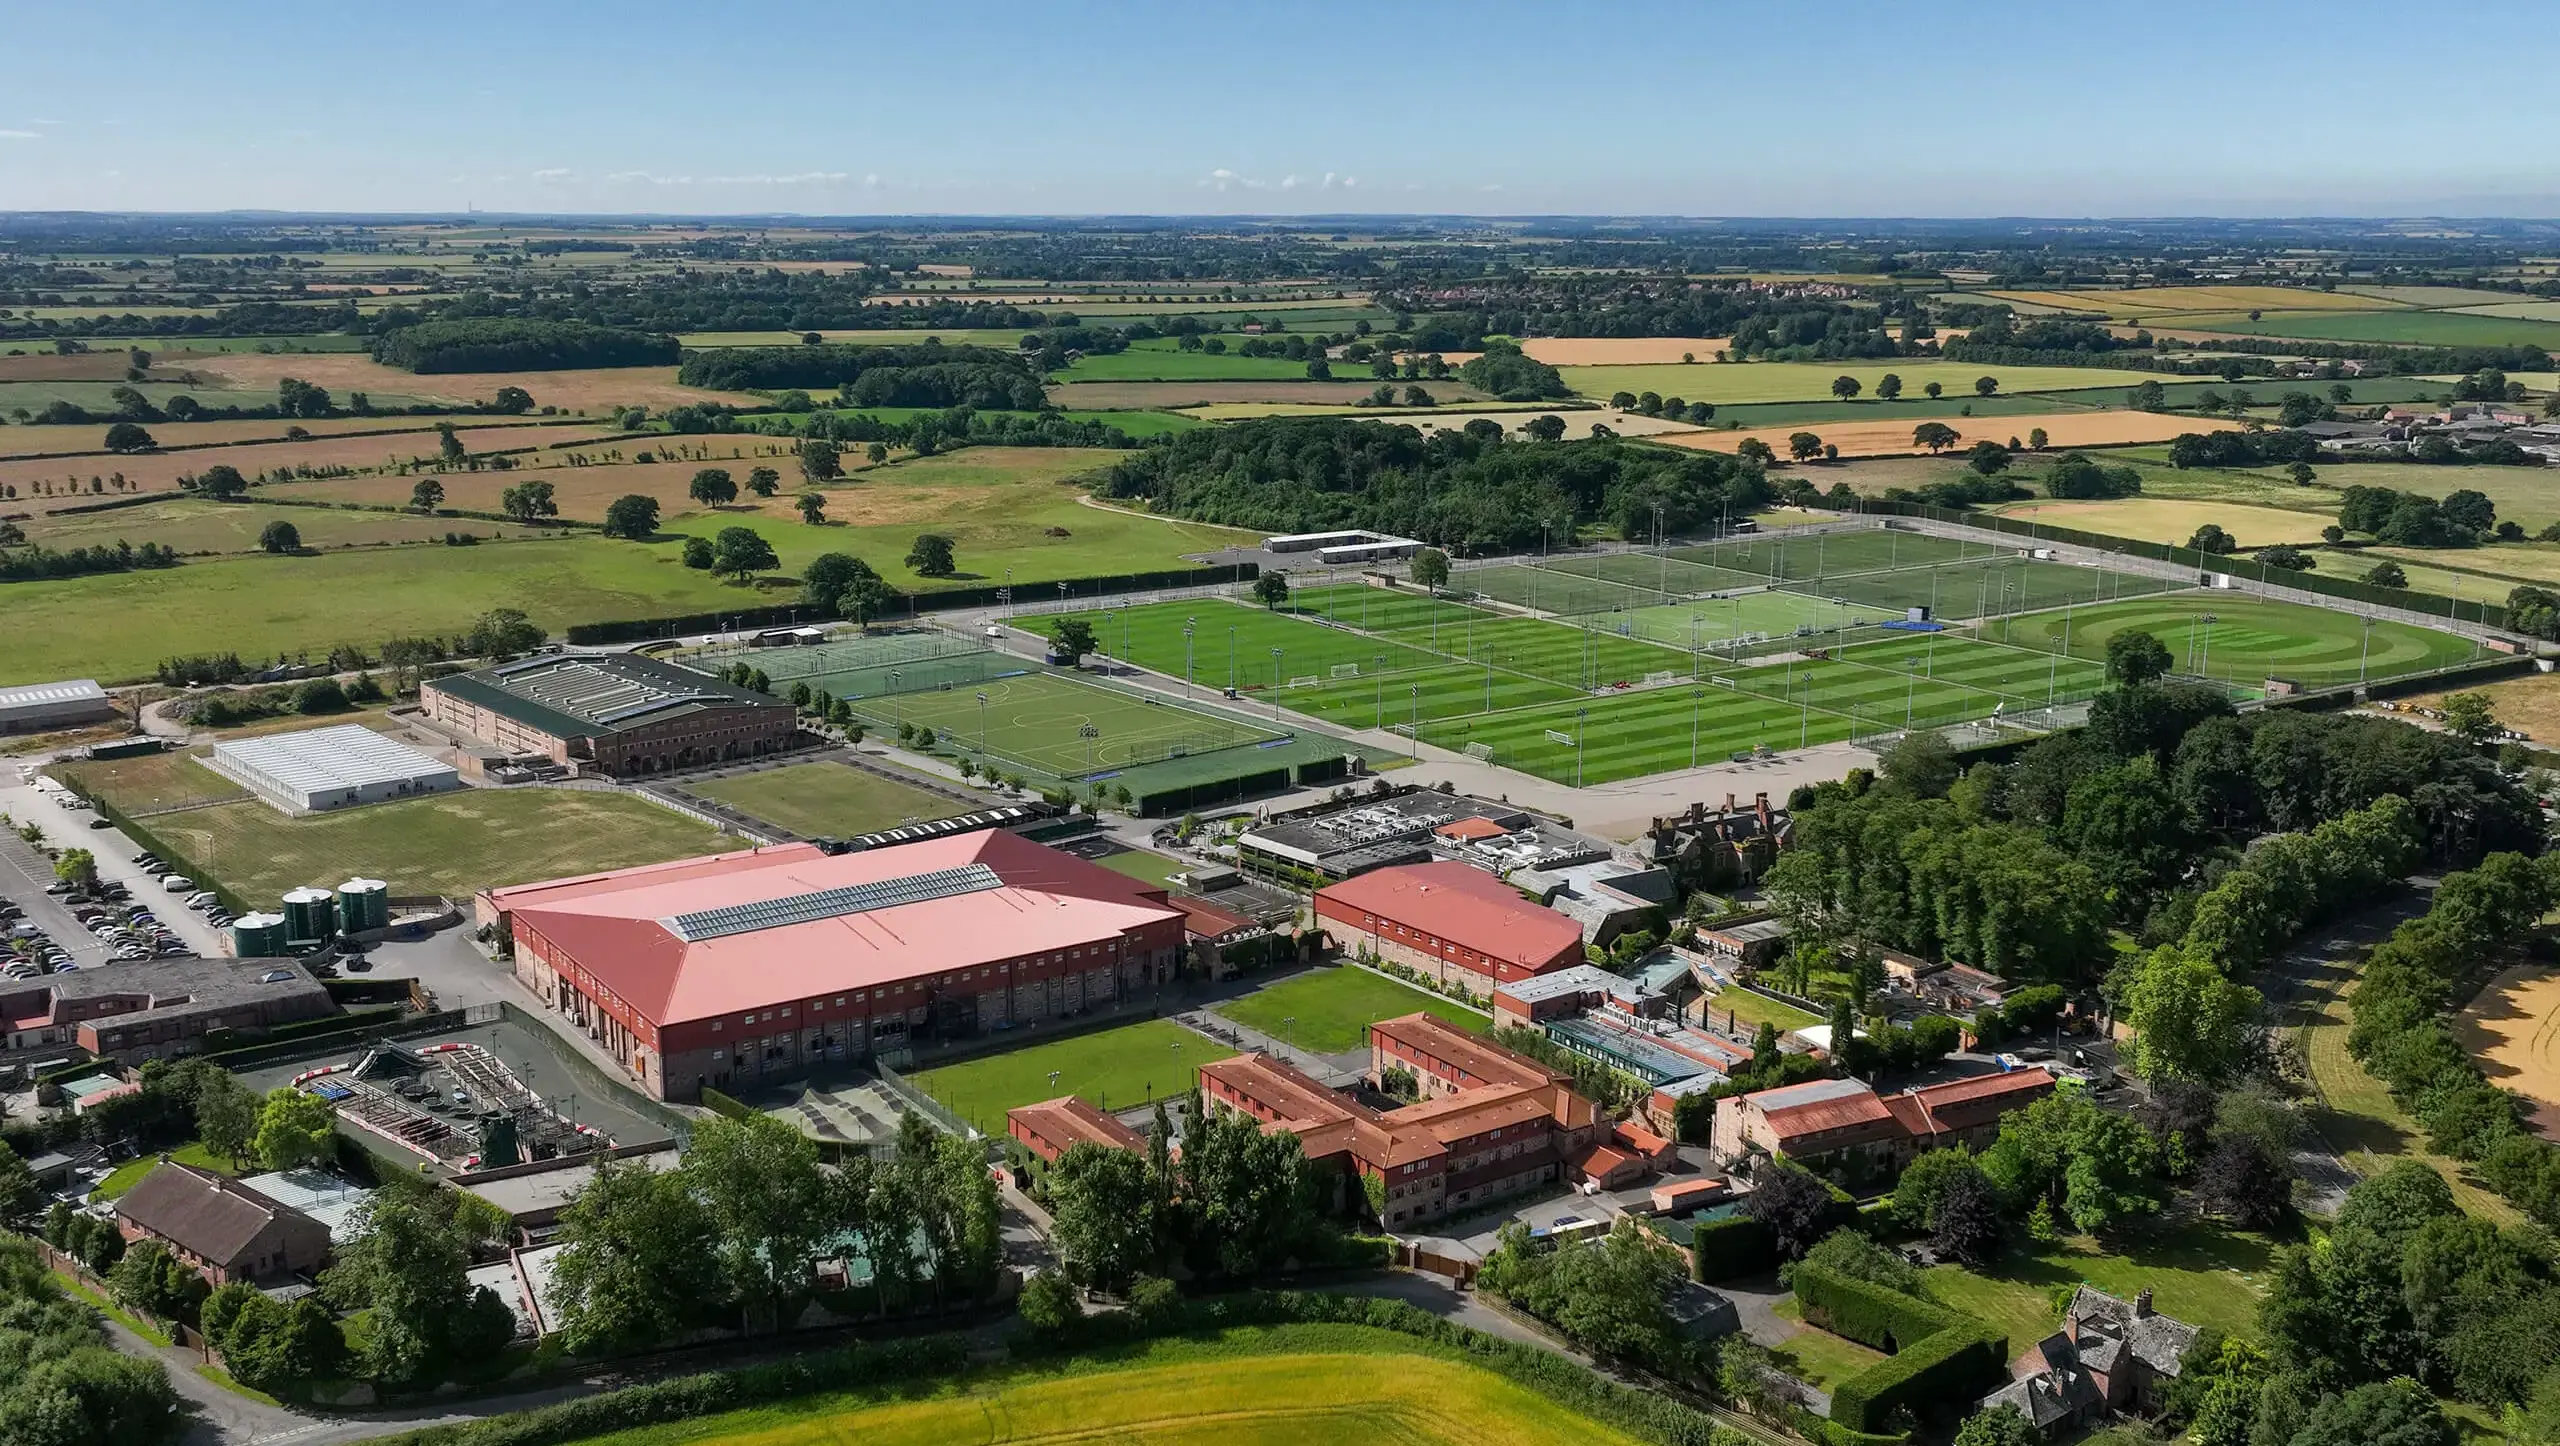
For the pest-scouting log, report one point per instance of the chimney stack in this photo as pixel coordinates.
(2142, 1304)
(1728, 803)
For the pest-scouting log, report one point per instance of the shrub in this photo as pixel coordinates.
(1939, 1359)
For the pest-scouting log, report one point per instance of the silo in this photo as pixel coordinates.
(258, 936)
(364, 904)
(310, 914)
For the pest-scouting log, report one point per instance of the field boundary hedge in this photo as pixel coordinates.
(1936, 1358)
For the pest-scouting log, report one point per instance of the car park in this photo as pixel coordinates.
(177, 883)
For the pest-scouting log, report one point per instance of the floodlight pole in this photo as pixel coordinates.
(982, 723)
(2366, 654)
(1413, 726)
(1696, 697)
(1581, 726)
(1187, 625)
(894, 675)
(1279, 669)
(1231, 659)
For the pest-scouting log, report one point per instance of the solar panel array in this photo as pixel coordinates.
(806, 908)
(600, 694)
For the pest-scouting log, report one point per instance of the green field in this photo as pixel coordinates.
(193, 526)
(1659, 572)
(2198, 1273)
(1750, 1011)
(452, 844)
(1986, 588)
(1811, 381)
(1639, 733)
(129, 1174)
(1577, 657)
(1372, 609)
(2405, 328)
(1036, 721)
(827, 799)
(1833, 554)
(1003, 508)
(1155, 868)
(1153, 362)
(1380, 700)
(1710, 621)
(1278, 1386)
(1329, 1011)
(1232, 645)
(1544, 589)
(1112, 1068)
(2250, 640)
(2016, 674)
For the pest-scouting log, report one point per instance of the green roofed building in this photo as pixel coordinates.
(609, 713)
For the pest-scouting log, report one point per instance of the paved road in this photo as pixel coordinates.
(2299, 984)
(114, 853)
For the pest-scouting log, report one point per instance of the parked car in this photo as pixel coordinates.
(177, 883)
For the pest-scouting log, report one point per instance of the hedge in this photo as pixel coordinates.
(172, 860)
(720, 1103)
(320, 1041)
(1730, 1248)
(1936, 1358)
(631, 630)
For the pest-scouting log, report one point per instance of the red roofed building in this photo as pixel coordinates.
(1965, 1111)
(1844, 1121)
(740, 968)
(1514, 1126)
(1454, 922)
(1051, 1128)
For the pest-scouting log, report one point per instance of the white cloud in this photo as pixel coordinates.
(797, 178)
(549, 174)
(18, 136)
(1289, 182)
(41, 121)
(872, 180)
(1496, 186)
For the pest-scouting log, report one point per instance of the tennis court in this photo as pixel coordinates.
(1062, 726)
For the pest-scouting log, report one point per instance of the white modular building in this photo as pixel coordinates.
(334, 767)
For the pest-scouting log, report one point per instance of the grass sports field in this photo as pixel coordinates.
(1037, 721)
(1330, 1010)
(827, 799)
(1112, 1068)
(1708, 622)
(1380, 700)
(1374, 608)
(1279, 1386)
(1579, 657)
(1639, 733)
(450, 844)
(1233, 645)
(2250, 640)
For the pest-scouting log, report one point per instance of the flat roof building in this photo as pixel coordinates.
(156, 1008)
(1451, 921)
(340, 766)
(738, 968)
(1313, 846)
(35, 707)
(613, 713)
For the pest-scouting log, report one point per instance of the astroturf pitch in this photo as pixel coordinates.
(1037, 721)
(2249, 640)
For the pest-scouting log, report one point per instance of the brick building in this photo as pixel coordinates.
(1490, 1123)
(611, 713)
(1452, 921)
(155, 1008)
(1843, 1122)
(1038, 1134)
(737, 969)
(222, 1227)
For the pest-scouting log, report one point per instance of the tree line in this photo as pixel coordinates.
(924, 375)
(35, 562)
(508, 344)
(1464, 491)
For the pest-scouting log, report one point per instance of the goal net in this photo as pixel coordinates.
(1559, 738)
(1480, 752)
(1346, 670)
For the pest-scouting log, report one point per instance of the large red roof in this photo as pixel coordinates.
(1465, 906)
(620, 926)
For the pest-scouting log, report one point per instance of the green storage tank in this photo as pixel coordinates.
(258, 936)
(364, 904)
(310, 914)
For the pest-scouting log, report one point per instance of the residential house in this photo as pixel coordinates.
(2112, 1356)
(223, 1228)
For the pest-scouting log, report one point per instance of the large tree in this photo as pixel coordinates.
(713, 487)
(408, 1266)
(634, 515)
(741, 553)
(932, 555)
(2189, 1022)
(295, 1129)
(2135, 658)
(1103, 1205)
(769, 1204)
(638, 1263)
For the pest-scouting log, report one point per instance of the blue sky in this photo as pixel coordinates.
(2061, 108)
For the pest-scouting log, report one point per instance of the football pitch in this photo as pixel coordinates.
(1372, 609)
(1235, 646)
(1040, 721)
(2247, 641)
(1576, 657)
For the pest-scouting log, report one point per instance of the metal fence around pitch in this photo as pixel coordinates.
(848, 654)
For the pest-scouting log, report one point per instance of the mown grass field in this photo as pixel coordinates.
(1036, 722)
(1634, 734)
(1280, 1386)
(827, 799)
(1111, 1068)
(2249, 641)
(1750, 1011)
(1232, 644)
(2404, 328)
(1373, 608)
(1148, 361)
(1334, 1007)
(1578, 657)
(2198, 1273)
(1382, 700)
(1811, 381)
(452, 844)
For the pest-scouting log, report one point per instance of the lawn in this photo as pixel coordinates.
(1333, 1008)
(2248, 640)
(1382, 700)
(1372, 609)
(1822, 1360)
(1155, 868)
(1040, 722)
(152, 781)
(2198, 1273)
(1709, 621)
(1811, 381)
(828, 799)
(1235, 645)
(1112, 1068)
(1751, 1010)
(1278, 1386)
(453, 844)
(112, 1311)
(129, 1174)
(212, 527)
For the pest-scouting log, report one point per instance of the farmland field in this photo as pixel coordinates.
(61, 440)
(1184, 395)
(2148, 519)
(1811, 381)
(1279, 1386)
(1147, 362)
(1036, 721)
(1604, 351)
(450, 844)
(2249, 640)
(219, 527)
(1329, 1010)
(2148, 299)
(1113, 1069)
(827, 799)
(2404, 328)
(578, 391)
(2079, 427)
(161, 470)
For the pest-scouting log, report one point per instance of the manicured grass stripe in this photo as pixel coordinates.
(1548, 590)
(1382, 699)
(1576, 657)
(1231, 643)
(1330, 1010)
(1658, 572)
(1829, 554)
(1038, 721)
(1638, 733)
(2009, 671)
(2250, 640)
(814, 799)
(1373, 608)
